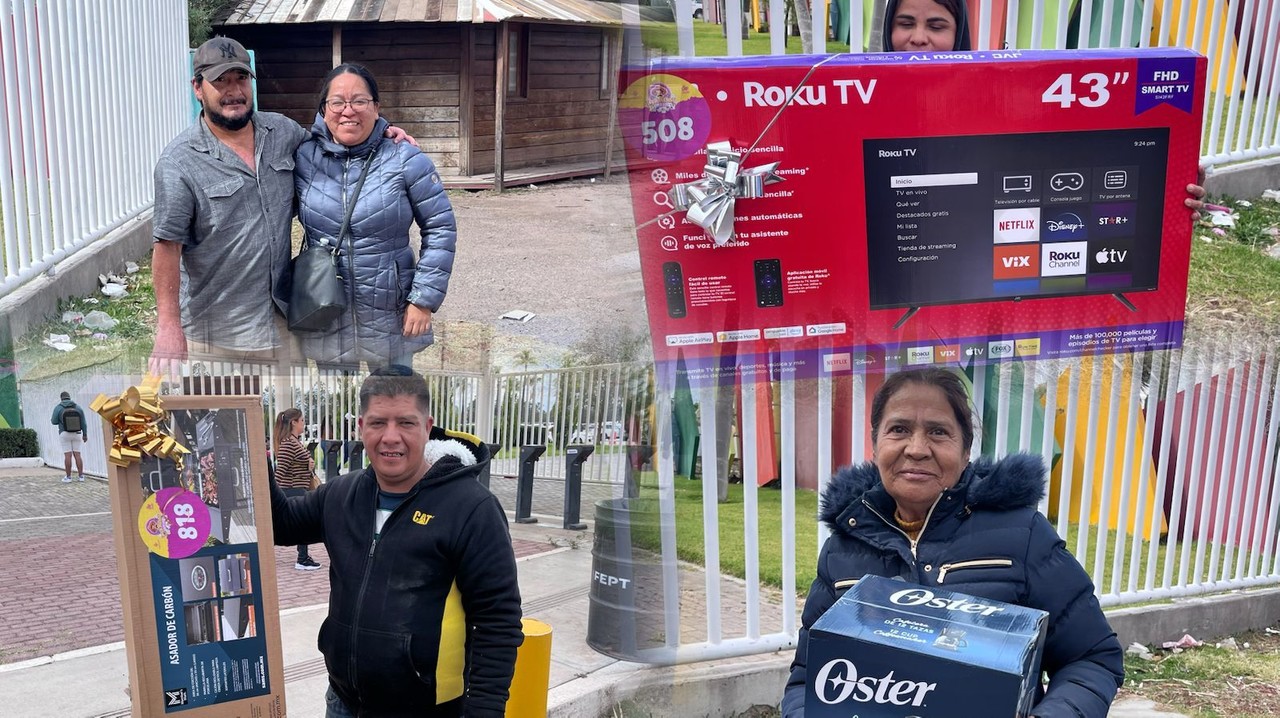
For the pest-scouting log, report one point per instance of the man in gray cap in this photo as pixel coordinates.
(223, 210)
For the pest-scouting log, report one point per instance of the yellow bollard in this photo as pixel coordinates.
(532, 679)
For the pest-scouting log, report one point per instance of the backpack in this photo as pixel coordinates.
(72, 420)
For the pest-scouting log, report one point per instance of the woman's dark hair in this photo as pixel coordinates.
(344, 68)
(951, 386)
(954, 7)
(959, 13)
(284, 421)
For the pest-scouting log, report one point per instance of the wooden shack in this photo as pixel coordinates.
(498, 92)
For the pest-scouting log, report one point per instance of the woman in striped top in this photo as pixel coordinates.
(295, 469)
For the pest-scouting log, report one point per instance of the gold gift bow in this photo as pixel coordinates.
(135, 417)
(713, 197)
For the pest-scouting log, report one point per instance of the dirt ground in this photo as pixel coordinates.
(565, 251)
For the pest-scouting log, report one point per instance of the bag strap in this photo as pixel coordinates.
(355, 195)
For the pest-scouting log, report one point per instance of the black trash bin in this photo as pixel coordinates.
(625, 617)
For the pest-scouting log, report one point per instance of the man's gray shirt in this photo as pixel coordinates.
(234, 228)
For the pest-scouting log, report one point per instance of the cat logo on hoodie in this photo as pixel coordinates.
(422, 519)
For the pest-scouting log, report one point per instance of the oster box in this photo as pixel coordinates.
(909, 200)
(889, 649)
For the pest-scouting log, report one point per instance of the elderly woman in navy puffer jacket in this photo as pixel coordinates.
(392, 298)
(922, 512)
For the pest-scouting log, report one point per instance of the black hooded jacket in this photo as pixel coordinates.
(983, 537)
(962, 25)
(428, 611)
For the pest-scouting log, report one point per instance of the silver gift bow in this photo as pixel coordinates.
(709, 201)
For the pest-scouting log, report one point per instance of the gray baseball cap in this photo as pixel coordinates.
(219, 55)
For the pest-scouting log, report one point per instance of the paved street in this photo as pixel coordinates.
(59, 567)
(58, 593)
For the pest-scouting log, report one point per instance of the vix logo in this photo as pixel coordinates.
(838, 681)
(1016, 261)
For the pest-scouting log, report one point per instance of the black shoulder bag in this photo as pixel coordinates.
(317, 296)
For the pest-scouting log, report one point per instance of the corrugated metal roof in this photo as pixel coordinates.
(276, 12)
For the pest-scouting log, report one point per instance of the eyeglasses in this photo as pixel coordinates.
(336, 105)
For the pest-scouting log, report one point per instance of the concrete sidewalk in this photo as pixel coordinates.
(555, 570)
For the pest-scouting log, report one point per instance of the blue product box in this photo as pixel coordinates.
(890, 649)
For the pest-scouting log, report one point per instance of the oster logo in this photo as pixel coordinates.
(1018, 261)
(1065, 225)
(1017, 225)
(838, 681)
(1062, 259)
(1115, 219)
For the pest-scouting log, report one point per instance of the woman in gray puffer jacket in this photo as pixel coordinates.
(392, 297)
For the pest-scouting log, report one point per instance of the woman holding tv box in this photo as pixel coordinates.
(922, 512)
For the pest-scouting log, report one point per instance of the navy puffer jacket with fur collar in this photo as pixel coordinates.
(984, 537)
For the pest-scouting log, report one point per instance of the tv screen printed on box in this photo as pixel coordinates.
(1015, 216)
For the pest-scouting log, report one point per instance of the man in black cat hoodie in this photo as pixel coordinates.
(424, 608)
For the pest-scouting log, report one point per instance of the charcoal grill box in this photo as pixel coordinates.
(201, 624)
(889, 649)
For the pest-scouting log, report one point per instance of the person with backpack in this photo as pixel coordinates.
(72, 433)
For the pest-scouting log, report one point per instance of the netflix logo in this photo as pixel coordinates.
(1017, 225)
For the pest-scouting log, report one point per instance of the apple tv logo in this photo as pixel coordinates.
(1111, 255)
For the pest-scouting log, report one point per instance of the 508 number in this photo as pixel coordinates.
(667, 130)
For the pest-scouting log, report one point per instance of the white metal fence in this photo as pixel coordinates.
(605, 406)
(40, 397)
(1170, 491)
(602, 406)
(92, 92)
(1164, 476)
(1238, 36)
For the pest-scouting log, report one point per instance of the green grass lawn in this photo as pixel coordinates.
(1214, 681)
(690, 544)
(126, 347)
(733, 560)
(1230, 285)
